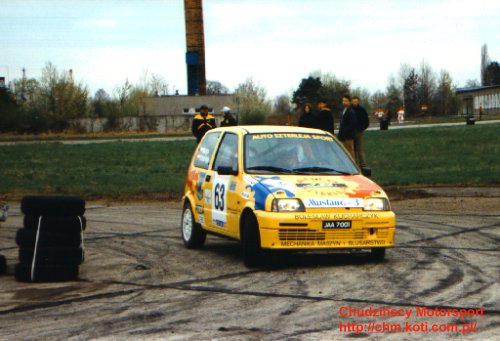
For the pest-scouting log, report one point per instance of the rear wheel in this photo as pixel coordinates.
(193, 235)
(253, 254)
(377, 254)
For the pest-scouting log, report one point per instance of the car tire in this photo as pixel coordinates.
(3, 264)
(27, 238)
(377, 254)
(46, 273)
(253, 254)
(56, 223)
(192, 233)
(39, 205)
(54, 256)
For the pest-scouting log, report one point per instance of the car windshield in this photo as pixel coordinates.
(295, 153)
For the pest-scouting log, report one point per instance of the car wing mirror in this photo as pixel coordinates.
(366, 171)
(226, 170)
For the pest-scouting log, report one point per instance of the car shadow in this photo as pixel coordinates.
(282, 259)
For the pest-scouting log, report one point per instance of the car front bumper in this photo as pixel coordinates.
(305, 230)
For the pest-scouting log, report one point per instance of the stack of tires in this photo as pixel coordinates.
(51, 241)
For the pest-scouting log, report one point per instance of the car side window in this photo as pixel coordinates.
(205, 150)
(227, 155)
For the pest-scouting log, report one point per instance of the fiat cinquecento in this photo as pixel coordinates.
(282, 188)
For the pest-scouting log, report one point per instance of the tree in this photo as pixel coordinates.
(333, 88)
(216, 88)
(485, 61)
(282, 105)
(492, 74)
(410, 91)
(60, 99)
(308, 91)
(445, 100)
(252, 102)
(426, 85)
(394, 96)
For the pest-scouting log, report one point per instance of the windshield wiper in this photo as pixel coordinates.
(271, 169)
(315, 169)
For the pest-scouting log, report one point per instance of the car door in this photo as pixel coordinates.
(224, 217)
(202, 161)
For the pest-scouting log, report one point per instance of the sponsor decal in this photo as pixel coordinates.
(339, 216)
(232, 186)
(328, 202)
(199, 189)
(334, 243)
(245, 195)
(201, 219)
(291, 136)
(208, 196)
(321, 185)
(268, 185)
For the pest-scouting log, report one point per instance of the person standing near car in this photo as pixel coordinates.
(228, 119)
(362, 123)
(307, 118)
(202, 123)
(347, 128)
(324, 119)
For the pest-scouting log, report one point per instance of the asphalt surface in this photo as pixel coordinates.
(139, 282)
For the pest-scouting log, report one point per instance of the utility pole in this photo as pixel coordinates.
(195, 47)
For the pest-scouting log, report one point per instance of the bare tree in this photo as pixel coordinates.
(216, 88)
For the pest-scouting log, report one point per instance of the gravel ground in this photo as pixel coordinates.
(139, 282)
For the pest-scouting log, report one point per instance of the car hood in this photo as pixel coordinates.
(314, 190)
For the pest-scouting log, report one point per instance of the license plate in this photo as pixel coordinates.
(337, 224)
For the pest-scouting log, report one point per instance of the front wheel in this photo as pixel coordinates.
(253, 254)
(193, 235)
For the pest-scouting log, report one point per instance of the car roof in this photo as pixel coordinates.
(259, 129)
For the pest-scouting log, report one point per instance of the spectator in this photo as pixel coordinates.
(307, 118)
(202, 123)
(362, 123)
(324, 119)
(401, 115)
(228, 120)
(347, 129)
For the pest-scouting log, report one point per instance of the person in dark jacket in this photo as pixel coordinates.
(347, 129)
(362, 123)
(202, 123)
(307, 118)
(324, 118)
(228, 120)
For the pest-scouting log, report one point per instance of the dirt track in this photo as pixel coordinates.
(139, 282)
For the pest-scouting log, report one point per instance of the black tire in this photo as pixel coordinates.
(54, 256)
(27, 238)
(46, 273)
(55, 223)
(3, 264)
(377, 254)
(193, 235)
(65, 206)
(253, 254)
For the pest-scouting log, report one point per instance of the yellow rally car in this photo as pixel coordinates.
(276, 187)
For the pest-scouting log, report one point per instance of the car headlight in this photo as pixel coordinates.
(287, 205)
(376, 204)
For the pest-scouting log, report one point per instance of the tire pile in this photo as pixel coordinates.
(51, 241)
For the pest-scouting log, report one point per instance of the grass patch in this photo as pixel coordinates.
(462, 155)
(117, 169)
(459, 156)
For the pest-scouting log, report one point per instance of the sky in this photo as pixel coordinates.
(274, 42)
